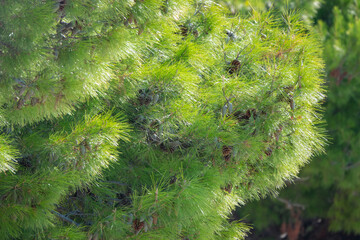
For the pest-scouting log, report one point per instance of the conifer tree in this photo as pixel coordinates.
(149, 119)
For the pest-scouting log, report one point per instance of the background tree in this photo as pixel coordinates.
(328, 187)
(149, 119)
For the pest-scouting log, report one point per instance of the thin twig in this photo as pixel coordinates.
(242, 51)
(289, 204)
(66, 219)
(227, 99)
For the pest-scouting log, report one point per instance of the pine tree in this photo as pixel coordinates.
(149, 119)
(328, 187)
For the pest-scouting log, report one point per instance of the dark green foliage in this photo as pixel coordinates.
(149, 119)
(341, 42)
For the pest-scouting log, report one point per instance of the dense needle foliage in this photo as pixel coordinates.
(149, 119)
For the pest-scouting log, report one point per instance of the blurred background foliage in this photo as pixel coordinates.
(326, 195)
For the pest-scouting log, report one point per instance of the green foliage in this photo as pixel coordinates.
(217, 110)
(63, 58)
(27, 200)
(89, 147)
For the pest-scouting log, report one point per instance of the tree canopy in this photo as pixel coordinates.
(149, 119)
